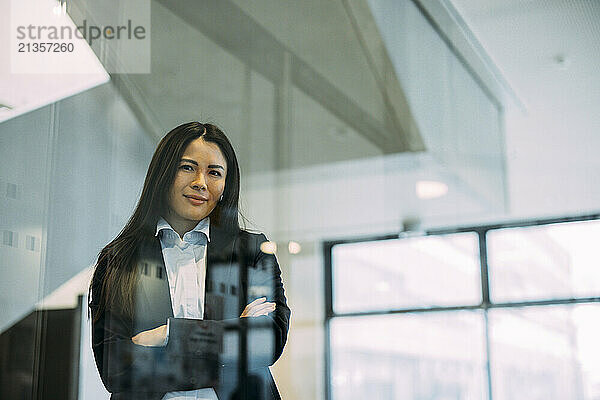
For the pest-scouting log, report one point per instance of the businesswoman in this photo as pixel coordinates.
(182, 274)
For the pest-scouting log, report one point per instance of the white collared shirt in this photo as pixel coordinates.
(185, 261)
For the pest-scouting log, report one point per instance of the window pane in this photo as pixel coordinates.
(544, 262)
(410, 356)
(545, 353)
(440, 270)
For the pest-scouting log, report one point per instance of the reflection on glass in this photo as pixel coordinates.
(406, 273)
(545, 353)
(544, 262)
(411, 356)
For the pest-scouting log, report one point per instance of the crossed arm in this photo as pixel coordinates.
(157, 336)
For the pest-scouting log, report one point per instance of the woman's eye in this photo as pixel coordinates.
(215, 173)
(187, 167)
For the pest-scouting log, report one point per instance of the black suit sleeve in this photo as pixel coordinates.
(266, 335)
(279, 320)
(128, 367)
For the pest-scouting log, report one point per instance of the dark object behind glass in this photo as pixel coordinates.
(39, 356)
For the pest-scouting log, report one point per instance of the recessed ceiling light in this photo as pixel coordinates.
(430, 189)
(268, 247)
(382, 286)
(294, 247)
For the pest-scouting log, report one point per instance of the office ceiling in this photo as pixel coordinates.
(548, 52)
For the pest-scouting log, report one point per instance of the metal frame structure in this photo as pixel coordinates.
(485, 304)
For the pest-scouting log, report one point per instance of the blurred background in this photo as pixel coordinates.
(427, 168)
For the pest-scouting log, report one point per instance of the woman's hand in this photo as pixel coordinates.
(258, 307)
(152, 337)
(157, 336)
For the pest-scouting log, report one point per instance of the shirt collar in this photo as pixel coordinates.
(203, 226)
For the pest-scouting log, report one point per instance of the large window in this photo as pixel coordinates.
(500, 312)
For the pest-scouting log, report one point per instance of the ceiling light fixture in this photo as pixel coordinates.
(268, 247)
(294, 247)
(430, 189)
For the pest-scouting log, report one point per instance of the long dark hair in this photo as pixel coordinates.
(118, 279)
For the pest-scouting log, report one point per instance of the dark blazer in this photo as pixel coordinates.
(237, 272)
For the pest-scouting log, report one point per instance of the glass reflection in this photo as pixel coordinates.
(407, 273)
(409, 356)
(544, 262)
(545, 353)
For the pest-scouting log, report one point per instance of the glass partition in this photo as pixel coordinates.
(418, 272)
(545, 352)
(524, 330)
(544, 262)
(412, 356)
(347, 119)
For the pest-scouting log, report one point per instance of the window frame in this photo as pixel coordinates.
(484, 306)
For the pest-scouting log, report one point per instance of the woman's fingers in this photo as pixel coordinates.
(261, 309)
(152, 337)
(256, 302)
(258, 307)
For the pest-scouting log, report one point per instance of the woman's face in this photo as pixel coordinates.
(198, 184)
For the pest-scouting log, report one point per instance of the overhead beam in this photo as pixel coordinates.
(450, 26)
(399, 118)
(231, 28)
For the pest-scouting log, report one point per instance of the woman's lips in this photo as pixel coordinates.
(196, 201)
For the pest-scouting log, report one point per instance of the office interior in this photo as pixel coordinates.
(425, 170)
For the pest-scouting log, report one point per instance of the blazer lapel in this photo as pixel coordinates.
(220, 256)
(219, 251)
(153, 300)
